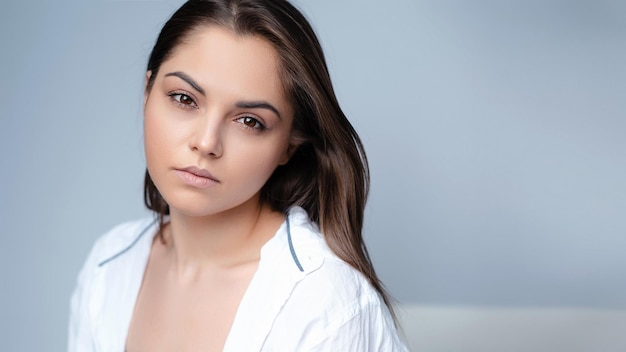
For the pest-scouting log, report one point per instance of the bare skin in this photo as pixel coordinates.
(190, 306)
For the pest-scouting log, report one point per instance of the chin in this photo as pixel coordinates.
(202, 206)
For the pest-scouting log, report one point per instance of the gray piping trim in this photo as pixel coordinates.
(293, 252)
(129, 246)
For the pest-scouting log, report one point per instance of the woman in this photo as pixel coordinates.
(249, 161)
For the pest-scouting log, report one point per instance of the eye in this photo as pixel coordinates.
(251, 122)
(184, 100)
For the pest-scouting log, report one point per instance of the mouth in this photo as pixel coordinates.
(196, 177)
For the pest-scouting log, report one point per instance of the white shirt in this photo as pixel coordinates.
(301, 298)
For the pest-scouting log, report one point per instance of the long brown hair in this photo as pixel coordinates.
(327, 174)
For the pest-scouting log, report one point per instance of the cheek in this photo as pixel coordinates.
(157, 136)
(150, 134)
(259, 160)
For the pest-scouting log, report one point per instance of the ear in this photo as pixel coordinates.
(294, 142)
(145, 88)
(288, 153)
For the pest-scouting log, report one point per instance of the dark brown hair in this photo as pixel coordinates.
(327, 174)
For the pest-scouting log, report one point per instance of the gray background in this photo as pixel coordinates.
(495, 132)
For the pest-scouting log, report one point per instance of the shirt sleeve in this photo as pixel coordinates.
(371, 329)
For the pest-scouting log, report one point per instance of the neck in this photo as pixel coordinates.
(220, 241)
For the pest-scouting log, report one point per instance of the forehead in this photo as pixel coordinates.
(223, 61)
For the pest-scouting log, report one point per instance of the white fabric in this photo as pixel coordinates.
(329, 306)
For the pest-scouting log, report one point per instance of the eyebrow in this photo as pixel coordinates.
(258, 105)
(185, 77)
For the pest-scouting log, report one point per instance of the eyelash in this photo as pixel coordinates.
(259, 127)
(177, 96)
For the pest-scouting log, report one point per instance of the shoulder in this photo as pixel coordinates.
(88, 299)
(326, 276)
(334, 294)
(322, 268)
(115, 242)
(332, 303)
(120, 239)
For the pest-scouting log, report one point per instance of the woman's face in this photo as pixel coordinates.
(216, 122)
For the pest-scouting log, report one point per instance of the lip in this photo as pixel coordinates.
(196, 177)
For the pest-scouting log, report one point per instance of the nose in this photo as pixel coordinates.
(207, 138)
